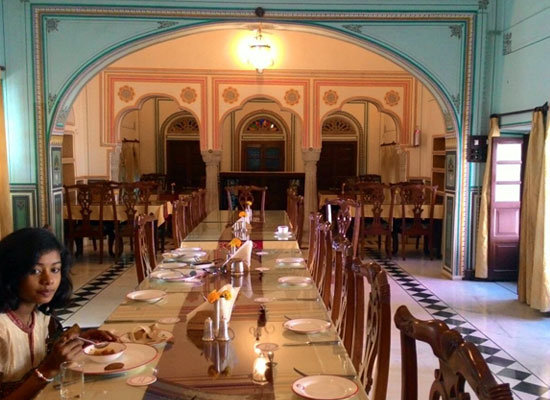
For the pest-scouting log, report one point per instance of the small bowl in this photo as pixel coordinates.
(99, 356)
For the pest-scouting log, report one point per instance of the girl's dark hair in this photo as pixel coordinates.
(19, 253)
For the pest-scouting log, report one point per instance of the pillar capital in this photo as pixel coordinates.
(211, 157)
(311, 155)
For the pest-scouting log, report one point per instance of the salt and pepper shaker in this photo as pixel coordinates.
(208, 334)
(223, 333)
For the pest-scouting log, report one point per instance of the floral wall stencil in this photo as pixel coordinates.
(330, 97)
(292, 97)
(126, 93)
(188, 95)
(392, 98)
(230, 95)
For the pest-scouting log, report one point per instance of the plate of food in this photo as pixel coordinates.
(147, 334)
(134, 356)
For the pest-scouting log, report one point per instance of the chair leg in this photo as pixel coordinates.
(403, 241)
(100, 250)
(379, 242)
(95, 244)
(388, 246)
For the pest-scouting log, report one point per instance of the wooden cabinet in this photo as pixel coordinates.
(438, 166)
(68, 159)
(276, 182)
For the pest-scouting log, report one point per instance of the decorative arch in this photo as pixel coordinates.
(139, 104)
(217, 139)
(283, 132)
(50, 110)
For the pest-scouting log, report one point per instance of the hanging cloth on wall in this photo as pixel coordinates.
(534, 247)
(482, 240)
(389, 163)
(129, 162)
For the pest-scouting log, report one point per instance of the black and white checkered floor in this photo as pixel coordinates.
(525, 384)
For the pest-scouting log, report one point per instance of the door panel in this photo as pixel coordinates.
(505, 205)
(263, 156)
(184, 164)
(337, 162)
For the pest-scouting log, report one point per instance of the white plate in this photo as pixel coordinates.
(188, 249)
(162, 336)
(136, 355)
(167, 275)
(307, 325)
(172, 265)
(263, 299)
(295, 280)
(192, 256)
(290, 260)
(146, 295)
(261, 269)
(325, 387)
(283, 235)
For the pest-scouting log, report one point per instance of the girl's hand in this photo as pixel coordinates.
(66, 349)
(99, 336)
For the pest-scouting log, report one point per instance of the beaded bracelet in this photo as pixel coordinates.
(41, 376)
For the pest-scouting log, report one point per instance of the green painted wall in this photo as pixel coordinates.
(522, 74)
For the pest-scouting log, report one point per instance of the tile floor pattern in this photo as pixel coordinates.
(91, 289)
(525, 384)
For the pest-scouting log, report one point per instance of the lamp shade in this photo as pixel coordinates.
(260, 55)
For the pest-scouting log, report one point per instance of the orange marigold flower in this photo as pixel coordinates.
(226, 294)
(248, 203)
(235, 242)
(213, 296)
(242, 214)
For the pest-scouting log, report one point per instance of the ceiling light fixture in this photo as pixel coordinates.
(260, 55)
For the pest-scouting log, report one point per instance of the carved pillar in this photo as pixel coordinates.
(212, 160)
(310, 157)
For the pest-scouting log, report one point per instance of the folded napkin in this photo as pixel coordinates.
(244, 252)
(227, 305)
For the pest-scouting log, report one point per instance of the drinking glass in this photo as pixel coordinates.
(72, 380)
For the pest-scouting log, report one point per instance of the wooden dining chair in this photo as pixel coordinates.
(144, 249)
(319, 260)
(254, 194)
(373, 197)
(342, 256)
(315, 219)
(459, 362)
(290, 204)
(416, 198)
(132, 195)
(349, 211)
(91, 226)
(202, 204)
(299, 226)
(366, 326)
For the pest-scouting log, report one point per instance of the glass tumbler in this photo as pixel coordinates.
(72, 380)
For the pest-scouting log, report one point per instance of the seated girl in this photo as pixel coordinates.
(34, 280)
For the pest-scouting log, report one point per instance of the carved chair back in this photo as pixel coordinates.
(459, 362)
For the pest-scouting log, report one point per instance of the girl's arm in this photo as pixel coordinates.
(66, 349)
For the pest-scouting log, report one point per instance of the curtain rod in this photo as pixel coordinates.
(543, 108)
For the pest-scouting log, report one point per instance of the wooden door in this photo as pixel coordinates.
(263, 156)
(184, 164)
(338, 161)
(505, 205)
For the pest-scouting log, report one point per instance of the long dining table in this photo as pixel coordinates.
(188, 367)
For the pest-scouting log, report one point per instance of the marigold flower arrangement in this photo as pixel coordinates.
(235, 242)
(242, 214)
(215, 295)
(248, 203)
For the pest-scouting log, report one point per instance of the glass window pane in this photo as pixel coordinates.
(508, 152)
(508, 172)
(507, 193)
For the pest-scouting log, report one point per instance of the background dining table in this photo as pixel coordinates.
(189, 368)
